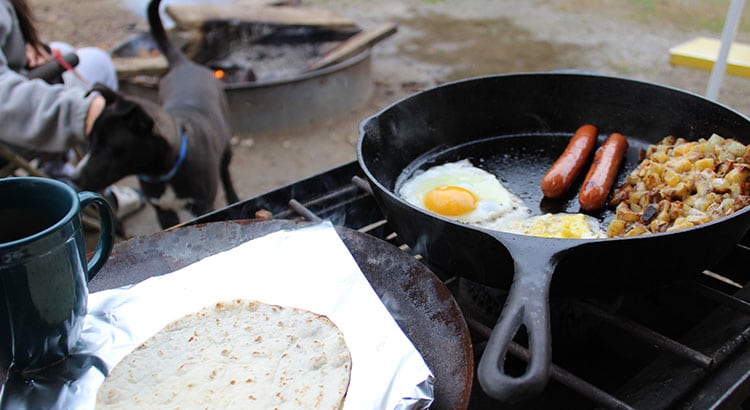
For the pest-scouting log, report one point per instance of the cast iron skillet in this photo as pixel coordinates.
(515, 126)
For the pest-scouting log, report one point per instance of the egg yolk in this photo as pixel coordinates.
(450, 200)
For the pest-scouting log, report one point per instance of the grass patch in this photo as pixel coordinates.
(693, 15)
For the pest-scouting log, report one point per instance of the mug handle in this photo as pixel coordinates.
(106, 230)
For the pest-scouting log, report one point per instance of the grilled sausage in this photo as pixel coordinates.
(562, 173)
(602, 174)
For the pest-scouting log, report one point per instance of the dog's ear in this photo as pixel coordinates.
(139, 120)
(110, 96)
(124, 113)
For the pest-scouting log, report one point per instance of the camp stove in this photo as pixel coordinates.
(681, 346)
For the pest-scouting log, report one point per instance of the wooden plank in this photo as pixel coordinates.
(129, 67)
(702, 52)
(355, 44)
(263, 3)
(192, 16)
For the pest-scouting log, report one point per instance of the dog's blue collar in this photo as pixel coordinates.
(180, 159)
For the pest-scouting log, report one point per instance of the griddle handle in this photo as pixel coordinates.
(527, 305)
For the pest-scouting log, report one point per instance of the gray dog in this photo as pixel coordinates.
(179, 149)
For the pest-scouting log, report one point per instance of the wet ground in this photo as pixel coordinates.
(441, 41)
(484, 46)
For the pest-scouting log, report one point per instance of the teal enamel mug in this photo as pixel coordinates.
(44, 269)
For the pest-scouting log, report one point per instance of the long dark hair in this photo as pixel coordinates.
(28, 23)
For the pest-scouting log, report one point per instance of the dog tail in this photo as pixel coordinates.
(167, 48)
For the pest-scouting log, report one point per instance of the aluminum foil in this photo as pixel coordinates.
(308, 268)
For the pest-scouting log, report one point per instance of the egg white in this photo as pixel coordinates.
(493, 200)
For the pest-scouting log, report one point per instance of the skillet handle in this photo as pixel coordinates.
(527, 305)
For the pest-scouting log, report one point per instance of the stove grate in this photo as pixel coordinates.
(677, 365)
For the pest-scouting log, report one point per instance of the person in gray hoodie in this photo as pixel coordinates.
(37, 116)
(41, 118)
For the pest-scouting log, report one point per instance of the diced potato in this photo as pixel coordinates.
(652, 181)
(741, 201)
(671, 178)
(663, 215)
(637, 230)
(615, 228)
(680, 223)
(703, 187)
(692, 182)
(682, 165)
(660, 157)
(697, 218)
(683, 149)
(703, 164)
(716, 139)
(727, 206)
(737, 175)
(680, 191)
(721, 185)
(735, 148)
(655, 168)
(699, 202)
(715, 210)
(676, 210)
(703, 148)
(657, 225)
(624, 213)
(746, 155)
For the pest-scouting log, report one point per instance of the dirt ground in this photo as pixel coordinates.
(439, 41)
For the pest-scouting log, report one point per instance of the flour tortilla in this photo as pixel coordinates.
(236, 354)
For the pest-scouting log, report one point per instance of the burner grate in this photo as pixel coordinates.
(657, 349)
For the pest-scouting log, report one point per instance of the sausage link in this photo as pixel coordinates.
(602, 174)
(567, 167)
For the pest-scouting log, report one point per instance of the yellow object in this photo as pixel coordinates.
(450, 200)
(702, 52)
(559, 225)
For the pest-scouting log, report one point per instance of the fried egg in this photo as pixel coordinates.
(560, 225)
(462, 192)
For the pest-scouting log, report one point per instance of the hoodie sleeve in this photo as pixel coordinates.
(33, 114)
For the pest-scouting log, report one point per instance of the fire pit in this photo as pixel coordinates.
(269, 71)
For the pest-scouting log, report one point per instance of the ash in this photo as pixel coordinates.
(262, 52)
(270, 62)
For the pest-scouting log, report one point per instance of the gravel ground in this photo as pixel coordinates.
(439, 41)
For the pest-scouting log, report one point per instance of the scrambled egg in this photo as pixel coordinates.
(559, 225)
